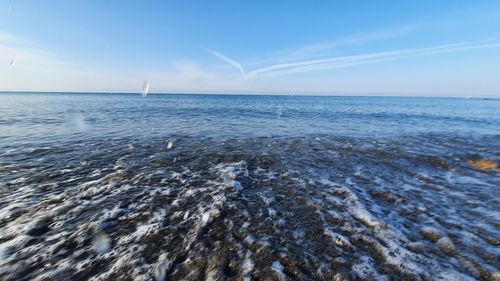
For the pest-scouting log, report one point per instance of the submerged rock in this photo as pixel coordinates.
(430, 233)
(205, 216)
(483, 164)
(417, 247)
(446, 245)
(40, 227)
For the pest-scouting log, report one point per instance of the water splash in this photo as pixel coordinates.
(145, 88)
(11, 62)
(170, 144)
(279, 111)
(78, 122)
(160, 273)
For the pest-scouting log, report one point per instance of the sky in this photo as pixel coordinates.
(417, 48)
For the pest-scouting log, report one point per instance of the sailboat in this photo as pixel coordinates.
(145, 88)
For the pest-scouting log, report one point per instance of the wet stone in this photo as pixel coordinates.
(244, 210)
(492, 241)
(446, 245)
(431, 233)
(384, 195)
(40, 228)
(483, 164)
(340, 263)
(417, 247)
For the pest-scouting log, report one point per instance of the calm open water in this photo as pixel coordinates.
(224, 187)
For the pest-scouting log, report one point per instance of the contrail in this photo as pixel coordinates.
(346, 61)
(228, 60)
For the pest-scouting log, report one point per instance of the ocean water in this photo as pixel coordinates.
(226, 187)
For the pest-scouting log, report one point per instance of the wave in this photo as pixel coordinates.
(318, 207)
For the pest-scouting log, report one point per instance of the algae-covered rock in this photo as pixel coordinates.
(483, 164)
(430, 233)
(446, 245)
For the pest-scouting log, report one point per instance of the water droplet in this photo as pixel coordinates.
(102, 243)
(279, 111)
(145, 88)
(79, 122)
(170, 144)
(160, 273)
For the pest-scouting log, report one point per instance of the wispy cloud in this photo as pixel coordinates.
(326, 47)
(228, 60)
(301, 66)
(24, 53)
(290, 62)
(7, 37)
(27, 66)
(359, 39)
(346, 61)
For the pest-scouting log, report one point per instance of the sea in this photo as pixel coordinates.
(248, 187)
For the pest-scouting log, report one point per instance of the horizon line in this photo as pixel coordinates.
(235, 93)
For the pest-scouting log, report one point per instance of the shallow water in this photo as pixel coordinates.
(171, 187)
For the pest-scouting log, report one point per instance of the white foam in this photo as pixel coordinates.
(278, 268)
(338, 239)
(205, 218)
(365, 270)
(247, 267)
(452, 275)
(272, 212)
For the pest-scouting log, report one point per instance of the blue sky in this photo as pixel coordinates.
(431, 48)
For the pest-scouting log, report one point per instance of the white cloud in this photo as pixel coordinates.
(25, 55)
(37, 69)
(4, 36)
(13, 40)
(324, 48)
(26, 67)
(193, 77)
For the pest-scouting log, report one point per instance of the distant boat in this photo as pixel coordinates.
(145, 88)
(468, 97)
